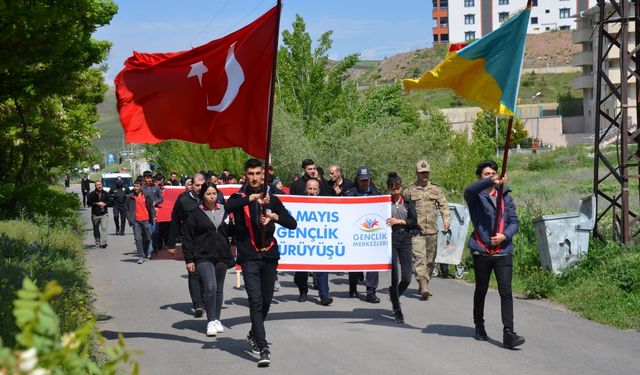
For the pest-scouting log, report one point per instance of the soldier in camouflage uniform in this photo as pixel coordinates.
(428, 197)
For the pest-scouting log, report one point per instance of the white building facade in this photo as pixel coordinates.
(587, 60)
(463, 20)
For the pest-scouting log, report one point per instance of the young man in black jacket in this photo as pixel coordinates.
(98, 200)
(258, 255)
(119, 196)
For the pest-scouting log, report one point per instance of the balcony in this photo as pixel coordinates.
(582, 59)
(582, 82)
(581, 36)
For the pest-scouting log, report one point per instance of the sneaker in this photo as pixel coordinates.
(198, 312)
(103, 246)
(212, 330)
(253, 345)
(372, 298)
(276, 286)
(481, 333)
(302, 297)
(149, 256)
(265, 358)
(398, 316)
(511, 339)
(326, 301)
(141, 260)
(219, 326)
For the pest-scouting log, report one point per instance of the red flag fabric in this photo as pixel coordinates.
(218, 93)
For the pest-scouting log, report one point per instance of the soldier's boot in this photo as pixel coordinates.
(423, 289)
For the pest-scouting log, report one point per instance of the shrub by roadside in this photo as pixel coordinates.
(43, 253)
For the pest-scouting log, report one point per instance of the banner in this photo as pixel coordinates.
(170, 195)
(336, 234)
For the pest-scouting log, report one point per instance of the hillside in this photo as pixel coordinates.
(111, 139)
(551, 49)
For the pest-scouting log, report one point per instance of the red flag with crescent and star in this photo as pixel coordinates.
(218, 93)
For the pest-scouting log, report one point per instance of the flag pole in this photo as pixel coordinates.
(265, 186)
(505, 158)
(499, 198)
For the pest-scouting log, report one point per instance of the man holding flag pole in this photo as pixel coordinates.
(487, 71)
(220, 93)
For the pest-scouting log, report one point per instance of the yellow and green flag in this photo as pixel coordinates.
(486, 71)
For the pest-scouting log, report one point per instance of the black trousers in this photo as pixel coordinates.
(370, 280)
(259, 276)
(503, 268)
(401, 255)
(119, 216)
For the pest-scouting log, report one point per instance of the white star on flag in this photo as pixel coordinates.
(198, 69)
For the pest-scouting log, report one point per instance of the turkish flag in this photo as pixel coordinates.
(218, 93)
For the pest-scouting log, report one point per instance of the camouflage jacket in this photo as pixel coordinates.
(428, 200)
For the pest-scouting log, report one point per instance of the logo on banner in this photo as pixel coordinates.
(371, 224)
(371, 232)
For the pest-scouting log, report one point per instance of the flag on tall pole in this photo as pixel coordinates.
(219, 93)
(486, 71)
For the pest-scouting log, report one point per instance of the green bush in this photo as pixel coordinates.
(43, 253)
(43, 348)
(40, 203)
(536, 282)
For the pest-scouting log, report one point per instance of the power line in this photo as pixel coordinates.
(216, 14)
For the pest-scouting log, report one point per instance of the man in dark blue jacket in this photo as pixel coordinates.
(492, 251)
(363, 188)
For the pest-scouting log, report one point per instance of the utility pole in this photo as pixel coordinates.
(617, 209)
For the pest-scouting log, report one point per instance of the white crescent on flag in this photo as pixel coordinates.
(235, 79)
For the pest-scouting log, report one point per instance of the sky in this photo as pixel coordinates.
(375, 29)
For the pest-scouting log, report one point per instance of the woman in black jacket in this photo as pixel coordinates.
(205, 245)
(403, 221)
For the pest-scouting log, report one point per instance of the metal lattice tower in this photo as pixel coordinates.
(616, 180)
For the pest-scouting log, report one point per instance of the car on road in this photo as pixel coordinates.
(109, 180)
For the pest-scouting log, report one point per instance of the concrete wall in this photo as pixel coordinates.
(551, 129)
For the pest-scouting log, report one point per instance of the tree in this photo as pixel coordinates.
(308, 82)
(49, 90)
(484, 130)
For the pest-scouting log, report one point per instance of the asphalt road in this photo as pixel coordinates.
(149, 304)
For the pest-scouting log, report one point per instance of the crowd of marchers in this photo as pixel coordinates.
(216, 234)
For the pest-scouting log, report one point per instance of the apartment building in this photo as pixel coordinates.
(587, 59)
(462, 20)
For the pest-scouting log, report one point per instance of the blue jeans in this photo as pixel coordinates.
(141, 235)
(152, 227)
(300, 279)
(212, 278)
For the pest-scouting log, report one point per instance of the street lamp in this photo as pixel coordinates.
(538, 97)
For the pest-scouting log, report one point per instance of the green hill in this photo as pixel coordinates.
(112, 135)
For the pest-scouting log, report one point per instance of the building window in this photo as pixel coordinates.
(534, 3)
(469, 3)
(565, 12)
(444, 22)
(547, 11)
(503, 2)
(435, 38)
(547, 28)
(503, 16)
(444, 38)
(534, 20)
(565, 27)
(444, 4)
(469, 35)
(469, 19)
